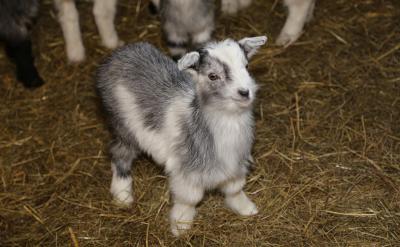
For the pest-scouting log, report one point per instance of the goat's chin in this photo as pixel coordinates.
(237, 106)
(243, 104)
(229, 105)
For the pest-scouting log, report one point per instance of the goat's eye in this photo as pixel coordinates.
(213, 76)
(247, 66)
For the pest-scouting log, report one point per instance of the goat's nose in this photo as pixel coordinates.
(244, 92)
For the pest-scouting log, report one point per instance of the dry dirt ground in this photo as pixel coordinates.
(327, 149)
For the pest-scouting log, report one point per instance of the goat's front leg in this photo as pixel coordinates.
(69, 20)
(104, 12)
(236, 199)
(186, 196)
(21, 54)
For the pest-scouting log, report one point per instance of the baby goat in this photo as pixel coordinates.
(300, 12)
(104, 13)
(16, 20)
(194, 118)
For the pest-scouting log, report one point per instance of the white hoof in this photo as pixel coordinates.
(241, 204)
(179, 229)
(123, 198)
(181, 218)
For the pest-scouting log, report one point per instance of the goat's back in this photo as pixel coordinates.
(152, 79)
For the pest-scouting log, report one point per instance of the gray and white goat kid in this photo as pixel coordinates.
(299, 12)
(194, 118)
(185, 23)
(104, 13)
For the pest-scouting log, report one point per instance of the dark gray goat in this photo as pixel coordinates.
(16, 20)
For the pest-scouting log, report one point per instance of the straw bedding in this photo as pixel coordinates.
(327, 170)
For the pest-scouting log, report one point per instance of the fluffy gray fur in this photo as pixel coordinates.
(155, 81)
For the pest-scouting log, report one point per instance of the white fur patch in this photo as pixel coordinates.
(231, 134)
(157, 143)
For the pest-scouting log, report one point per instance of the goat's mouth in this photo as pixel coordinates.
(243, 102)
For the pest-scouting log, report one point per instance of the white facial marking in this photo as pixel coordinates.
(232, 55)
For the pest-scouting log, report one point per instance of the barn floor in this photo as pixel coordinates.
(327, 149)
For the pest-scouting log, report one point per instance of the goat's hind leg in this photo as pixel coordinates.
(122, 155)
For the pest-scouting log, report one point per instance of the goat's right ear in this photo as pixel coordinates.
(188, 60)
(251, 45)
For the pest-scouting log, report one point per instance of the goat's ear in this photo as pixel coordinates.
(188, 60)
(251, 45)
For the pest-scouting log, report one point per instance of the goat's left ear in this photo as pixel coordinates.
(251, 45)
(188, 60)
